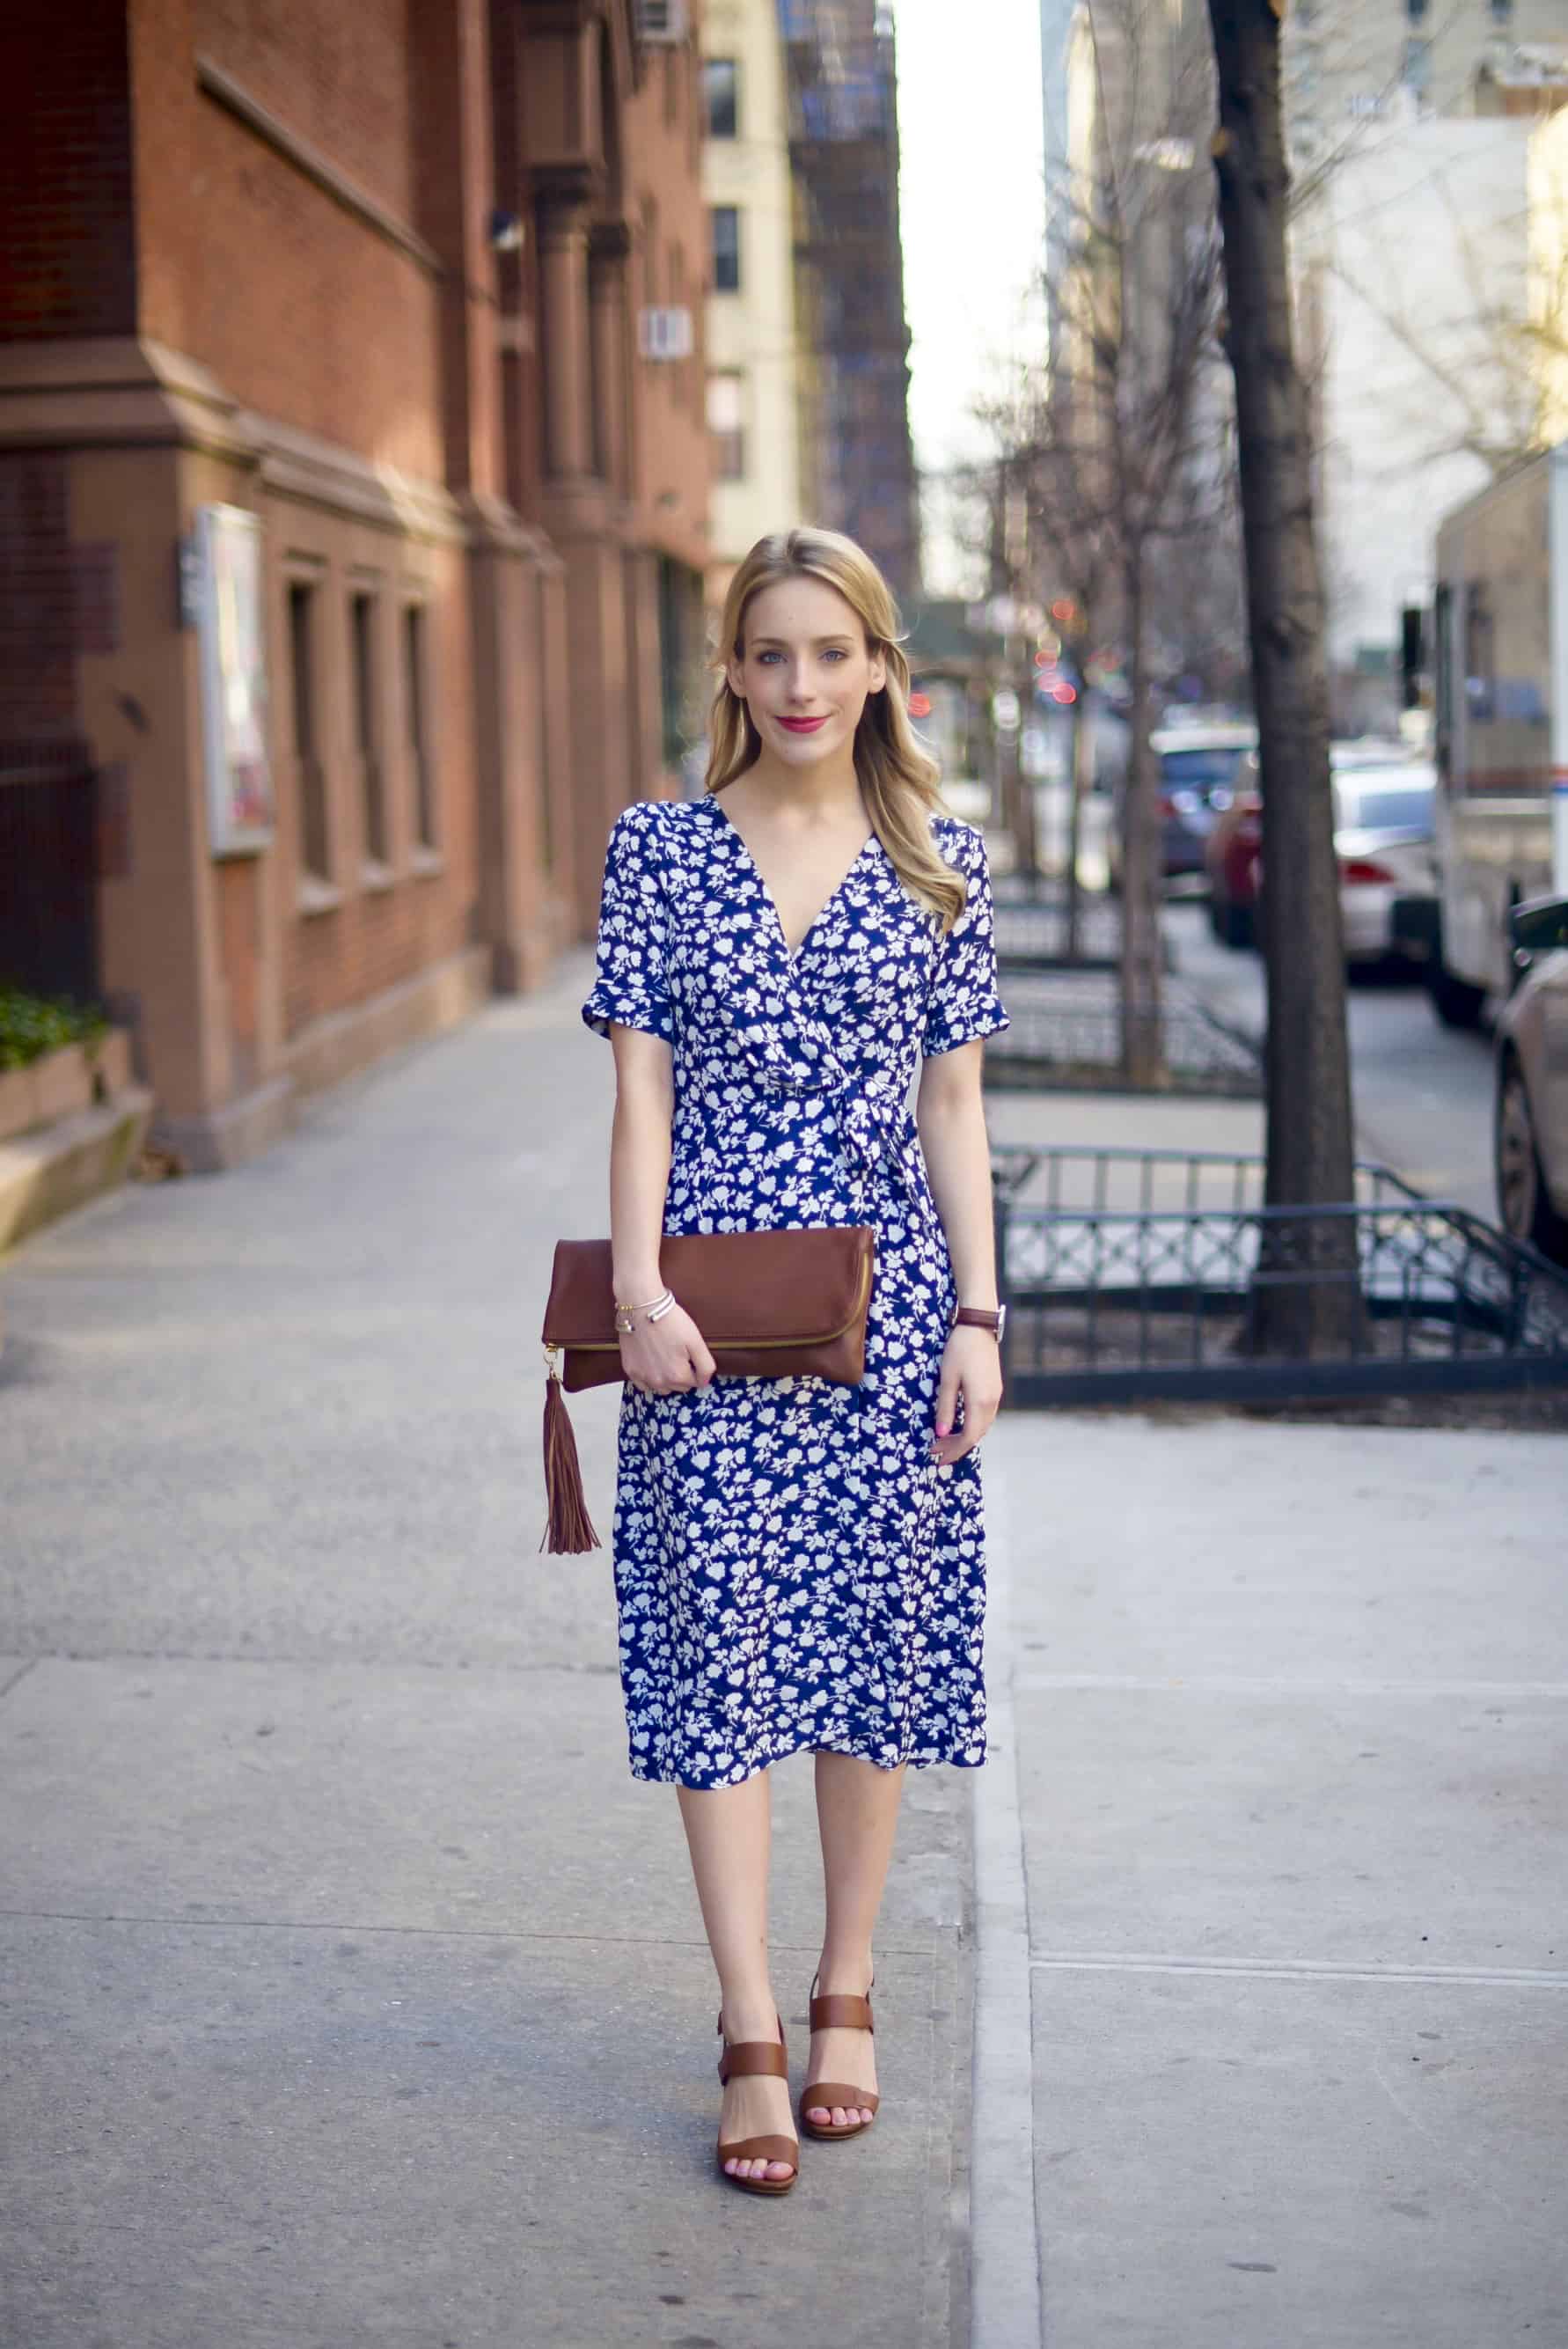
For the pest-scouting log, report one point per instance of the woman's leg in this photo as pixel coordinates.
(727, 1832)
(857, 1815)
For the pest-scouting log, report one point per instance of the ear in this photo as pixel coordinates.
(877, 674)
(734, 676)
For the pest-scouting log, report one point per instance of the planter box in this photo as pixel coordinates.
(62, 1083)
(110, 1060)
(17, 1098)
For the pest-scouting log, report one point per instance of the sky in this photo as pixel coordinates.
(972, 213)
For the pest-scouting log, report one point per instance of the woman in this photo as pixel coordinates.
(799, 1564)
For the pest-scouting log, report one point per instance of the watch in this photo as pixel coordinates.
(977, 1317)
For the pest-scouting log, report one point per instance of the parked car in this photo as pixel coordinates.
(1384, 819)
(1384, 813)
(1531, 1120)
(1200, 767)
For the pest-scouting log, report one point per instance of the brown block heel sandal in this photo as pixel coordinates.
(764, 2059)
(838, 2013)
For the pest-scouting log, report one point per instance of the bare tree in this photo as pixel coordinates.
(1115, 441)
(1308, 1297)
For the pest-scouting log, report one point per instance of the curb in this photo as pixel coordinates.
(45, 1174)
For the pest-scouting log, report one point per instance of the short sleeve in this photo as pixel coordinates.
(964, 1002)
(629, 984)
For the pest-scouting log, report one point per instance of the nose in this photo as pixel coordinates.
(800, 679)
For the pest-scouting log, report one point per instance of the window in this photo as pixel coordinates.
(721, 96)
(315, 855)
(1416, 10)
(362, 644)
(415, 730)
(1418, 68)
(1502, 12)
(727, 426)
(725, 221)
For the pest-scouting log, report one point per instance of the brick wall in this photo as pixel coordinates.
(341, 75)
(303, 310)
(670, 266)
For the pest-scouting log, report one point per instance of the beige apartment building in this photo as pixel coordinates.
(1362, 61)
(753, 346)
(1424, 135)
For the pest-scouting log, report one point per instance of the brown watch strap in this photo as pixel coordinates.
(976, 1316)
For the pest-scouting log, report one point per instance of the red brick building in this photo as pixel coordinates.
(380, 275)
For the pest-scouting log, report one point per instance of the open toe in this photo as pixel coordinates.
(845, 2110)
(754, 2156)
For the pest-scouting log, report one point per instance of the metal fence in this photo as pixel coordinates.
(1032, 934)
(1142, 1275)
(1067, 1034)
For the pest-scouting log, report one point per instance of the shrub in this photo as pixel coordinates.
(32, 1025)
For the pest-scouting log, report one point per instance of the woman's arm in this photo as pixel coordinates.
(666, 1356)
(950, 1118)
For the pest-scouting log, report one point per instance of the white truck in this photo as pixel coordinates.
(1501, 662)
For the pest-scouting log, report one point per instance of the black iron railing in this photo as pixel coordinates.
(1137, 1275)
(1067, 1031)
(1033, 935)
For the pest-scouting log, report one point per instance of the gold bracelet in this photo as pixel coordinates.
(655, 1310)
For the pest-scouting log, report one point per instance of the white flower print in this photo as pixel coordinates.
(792, 1568)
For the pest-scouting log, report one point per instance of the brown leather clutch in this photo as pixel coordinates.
(770, 1305)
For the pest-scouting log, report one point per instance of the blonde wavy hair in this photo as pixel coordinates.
(898, 780)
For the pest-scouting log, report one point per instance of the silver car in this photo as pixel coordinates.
(1531, 1128)
(1384, 817)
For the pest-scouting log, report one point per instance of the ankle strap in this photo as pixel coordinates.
(838, 2012)
(762, 2059)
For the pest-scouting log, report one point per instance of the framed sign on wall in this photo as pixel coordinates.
(231, 631)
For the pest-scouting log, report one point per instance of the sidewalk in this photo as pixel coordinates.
(1283, 1850)
(357, 1995)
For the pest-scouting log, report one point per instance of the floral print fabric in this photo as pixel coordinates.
(792, 1569)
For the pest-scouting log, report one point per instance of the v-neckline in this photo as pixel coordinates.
(792, 953)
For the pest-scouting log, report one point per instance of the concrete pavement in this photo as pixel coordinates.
(354, 1991)
(355, 1994)
(1288, 1708)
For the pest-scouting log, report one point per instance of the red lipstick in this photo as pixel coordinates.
(802, 725)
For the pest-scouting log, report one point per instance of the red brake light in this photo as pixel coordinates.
(1361, 871)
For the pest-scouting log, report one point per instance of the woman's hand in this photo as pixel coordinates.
(666, 1356)
(971, 1368)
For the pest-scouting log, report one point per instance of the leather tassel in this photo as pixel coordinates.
(568, 1529)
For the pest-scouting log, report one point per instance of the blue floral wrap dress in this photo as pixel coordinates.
(792, 1568)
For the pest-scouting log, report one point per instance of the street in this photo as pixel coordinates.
(1423, 1092)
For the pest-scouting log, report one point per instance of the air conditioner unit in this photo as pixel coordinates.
(664, 333)
(662, 20)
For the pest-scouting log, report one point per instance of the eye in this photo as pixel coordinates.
(835, 652)
(763, 658)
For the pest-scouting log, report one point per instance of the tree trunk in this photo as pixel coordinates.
(1307, 1298)
(1142, 1012)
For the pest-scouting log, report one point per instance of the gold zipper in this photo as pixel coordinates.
(743, 1345)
